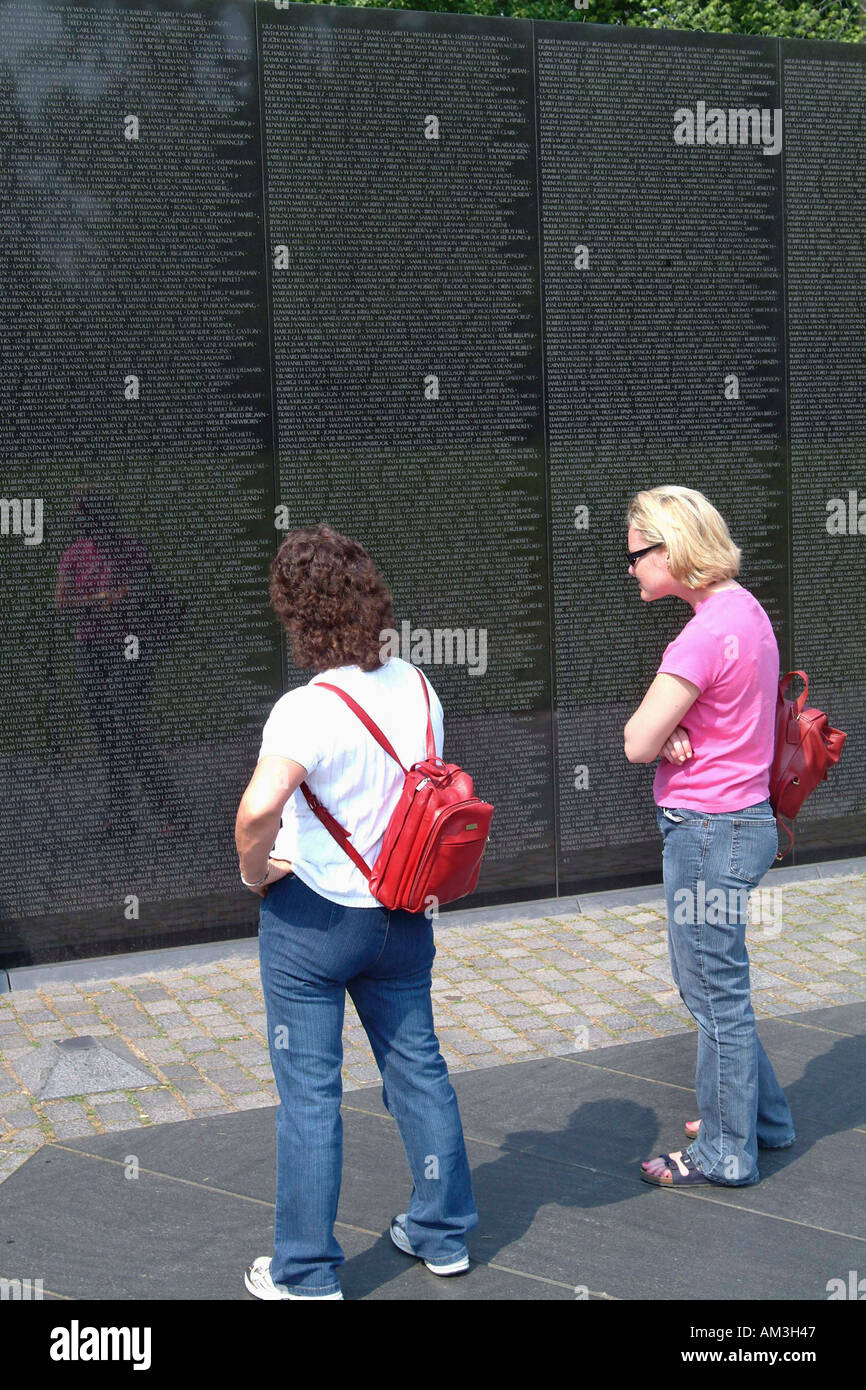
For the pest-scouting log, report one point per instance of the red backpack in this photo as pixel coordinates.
(806, 748)
(437, 834)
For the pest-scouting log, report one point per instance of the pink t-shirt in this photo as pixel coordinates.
(729, 651)
(87, 570)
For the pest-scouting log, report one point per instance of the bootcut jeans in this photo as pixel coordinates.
(712, 862)
(311, 951)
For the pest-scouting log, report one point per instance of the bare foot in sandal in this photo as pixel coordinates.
(672, 1170)
(657, 1168)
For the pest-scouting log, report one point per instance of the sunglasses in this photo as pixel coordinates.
(635, 555)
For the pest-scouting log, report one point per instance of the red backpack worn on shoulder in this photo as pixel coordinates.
(437, 834)
(806, 748)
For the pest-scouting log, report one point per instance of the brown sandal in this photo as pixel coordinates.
(683, 1171)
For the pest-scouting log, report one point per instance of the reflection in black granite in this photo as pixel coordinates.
(123, 621)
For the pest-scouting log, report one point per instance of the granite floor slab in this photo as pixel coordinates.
(175, 1211)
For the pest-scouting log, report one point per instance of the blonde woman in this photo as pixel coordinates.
(710, 716)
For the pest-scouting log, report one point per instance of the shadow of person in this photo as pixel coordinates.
(593, 1162)
(829, 1098)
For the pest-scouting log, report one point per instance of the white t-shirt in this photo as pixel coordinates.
(353, 777)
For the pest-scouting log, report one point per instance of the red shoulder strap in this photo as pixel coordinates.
(375, 730)
(431, 742)
(334, 828)
(800, 702)
(780, 854)
(332, 825)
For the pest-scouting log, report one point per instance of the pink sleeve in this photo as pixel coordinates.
(695, 655)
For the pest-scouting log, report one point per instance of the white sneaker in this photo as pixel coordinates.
(401, 1240)
(259, 1283)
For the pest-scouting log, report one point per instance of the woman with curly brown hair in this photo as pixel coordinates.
(321, 931)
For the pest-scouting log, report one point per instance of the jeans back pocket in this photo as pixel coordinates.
(754, 846)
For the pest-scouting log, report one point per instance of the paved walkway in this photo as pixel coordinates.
(510, 985)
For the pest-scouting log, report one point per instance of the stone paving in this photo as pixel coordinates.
(504, 991)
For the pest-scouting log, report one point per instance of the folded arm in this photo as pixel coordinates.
(663, 707)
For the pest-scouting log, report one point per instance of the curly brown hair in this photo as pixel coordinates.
(328, 593)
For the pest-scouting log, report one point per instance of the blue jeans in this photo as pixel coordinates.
(712, 861)
(311, 951)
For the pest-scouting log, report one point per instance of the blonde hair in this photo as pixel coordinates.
(697, 538)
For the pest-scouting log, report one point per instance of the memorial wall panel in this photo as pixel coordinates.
(824, 94)
(402, 221)
(664, 359)
(134, 380)
(451, 284)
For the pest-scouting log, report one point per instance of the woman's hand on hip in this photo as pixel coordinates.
(277, 869)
